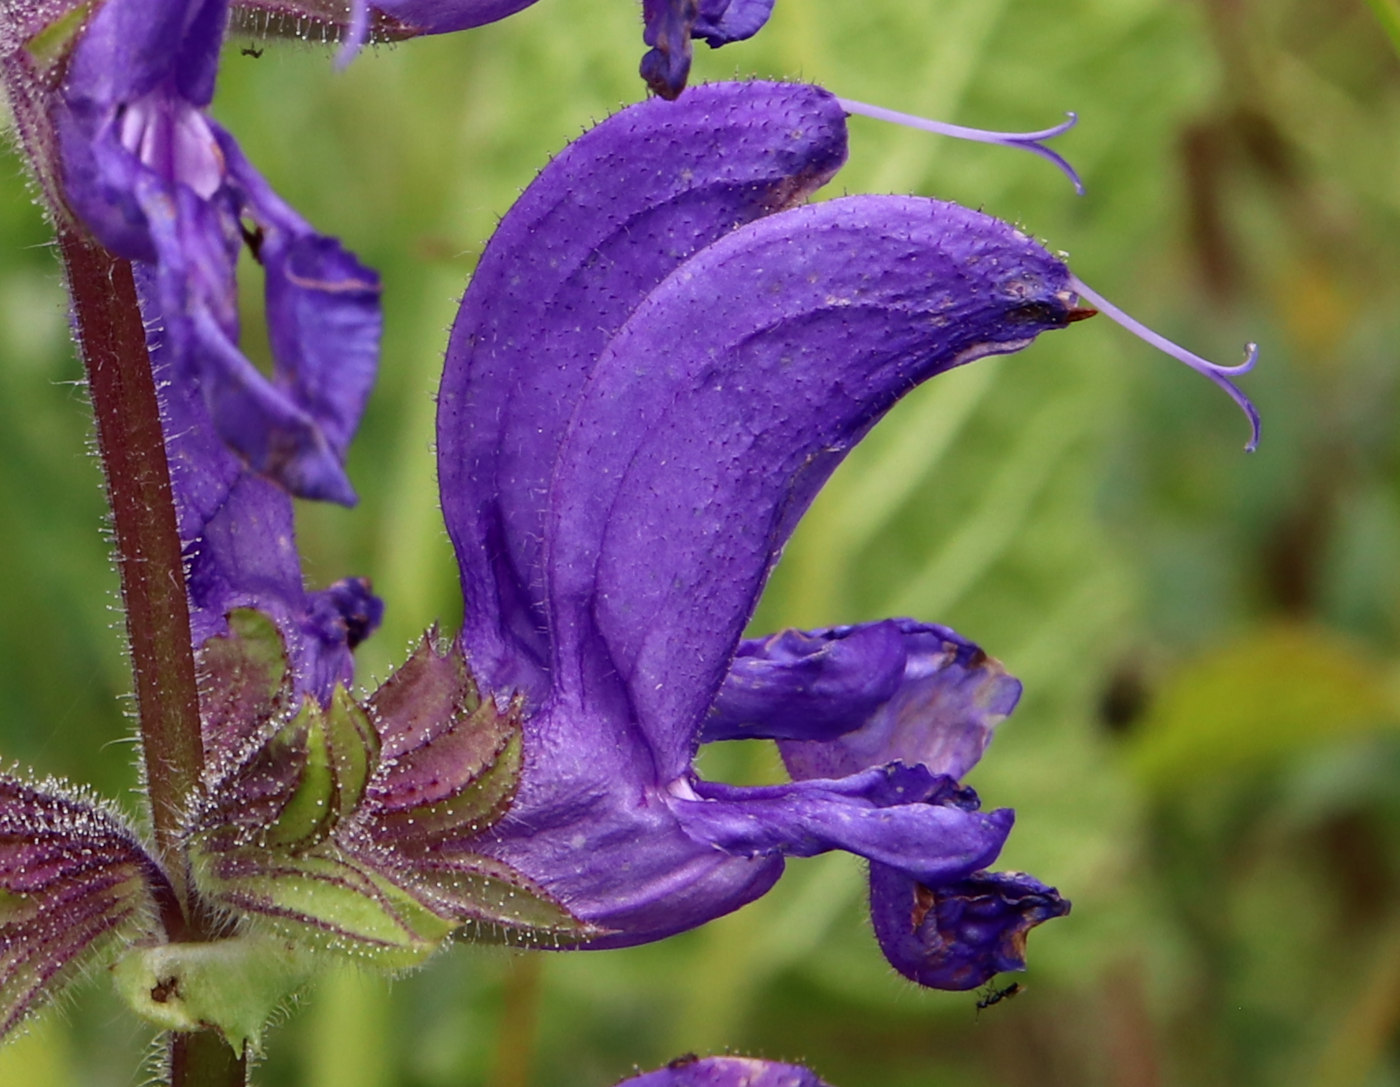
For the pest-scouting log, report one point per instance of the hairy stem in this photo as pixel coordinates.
(112, 340)
(204, 1059)
(131, 442)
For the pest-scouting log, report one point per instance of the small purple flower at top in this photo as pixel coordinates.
(157, 181)
(659, 361)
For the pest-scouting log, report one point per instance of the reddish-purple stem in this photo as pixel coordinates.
(130, 440)
(112, 341)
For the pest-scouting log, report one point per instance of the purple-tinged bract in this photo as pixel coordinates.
(659, 362)
(73, 878)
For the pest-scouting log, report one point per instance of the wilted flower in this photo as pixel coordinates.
(238, 532)
(650, 377)
(111, 99)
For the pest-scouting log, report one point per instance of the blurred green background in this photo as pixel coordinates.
(1207, 758)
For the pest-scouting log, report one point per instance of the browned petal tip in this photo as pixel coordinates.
(1080, 313)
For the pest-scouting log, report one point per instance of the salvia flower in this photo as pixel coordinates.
(658, 362)
(691, 1071)
(124, 88)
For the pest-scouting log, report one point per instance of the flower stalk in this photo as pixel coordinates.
(111, 339)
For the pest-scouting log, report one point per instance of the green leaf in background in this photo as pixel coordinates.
(1269, 694)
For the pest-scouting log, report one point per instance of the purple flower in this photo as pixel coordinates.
(669, 25)
(693, 1071)
(657, 364)
(158, 182)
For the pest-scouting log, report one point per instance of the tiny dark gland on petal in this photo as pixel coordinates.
(682, 1061)
(924, 900)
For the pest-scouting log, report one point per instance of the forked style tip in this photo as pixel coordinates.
(1217, 373)
(1033, 142)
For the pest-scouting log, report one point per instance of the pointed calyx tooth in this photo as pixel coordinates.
(244, 680)
(455, 767)
(423, 697)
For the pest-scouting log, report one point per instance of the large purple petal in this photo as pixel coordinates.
(897, 815)
(959, 935)
(726, 1072)
(602, 225)
(726, 401)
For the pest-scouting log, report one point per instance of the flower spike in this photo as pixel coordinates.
(1219, 374)
(1033, 142)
